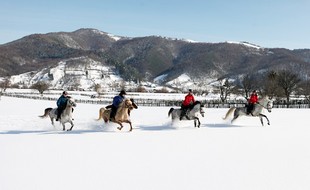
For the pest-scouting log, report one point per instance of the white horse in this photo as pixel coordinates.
(257, 111)
(65, 117)
(190, 115)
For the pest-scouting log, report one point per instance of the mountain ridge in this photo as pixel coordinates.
(146, 58)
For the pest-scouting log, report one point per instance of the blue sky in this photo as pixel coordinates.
(268, 23)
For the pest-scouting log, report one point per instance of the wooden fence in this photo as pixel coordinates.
(167, 103)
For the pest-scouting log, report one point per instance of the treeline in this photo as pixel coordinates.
(285, 87)
(278, 85)
(171, 103)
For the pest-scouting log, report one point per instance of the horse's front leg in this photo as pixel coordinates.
(63, 127)
(262, 115)
(261, 120)
(71, 126)
(197, 119)
(130, 125)
(119, 128)
(127, 121)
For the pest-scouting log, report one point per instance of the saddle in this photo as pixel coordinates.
(249, 109)
(184, 113)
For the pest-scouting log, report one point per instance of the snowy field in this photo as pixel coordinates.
(155, 155)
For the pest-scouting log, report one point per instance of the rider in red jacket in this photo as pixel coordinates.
(251, 102)
(187, 103)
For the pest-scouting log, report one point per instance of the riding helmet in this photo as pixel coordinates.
(123, 92)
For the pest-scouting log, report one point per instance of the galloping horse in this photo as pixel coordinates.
(65, 117)
(101, 110)
(257, 112)
(121, 115)
(191, 115)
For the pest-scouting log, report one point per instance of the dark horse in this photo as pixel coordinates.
(192, 114)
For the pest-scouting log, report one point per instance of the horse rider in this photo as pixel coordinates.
(187, 103)
(116, 102)
(251, 102)
(61, 104)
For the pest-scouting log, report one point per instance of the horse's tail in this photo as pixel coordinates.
(46, 112)
(170, 111)
(229, 112)
(101, 110)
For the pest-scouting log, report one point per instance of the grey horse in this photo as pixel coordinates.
(192, 114)
(66, 116)
(257, 111)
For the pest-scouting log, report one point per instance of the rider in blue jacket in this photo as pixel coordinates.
(116, 101)
(61, 104)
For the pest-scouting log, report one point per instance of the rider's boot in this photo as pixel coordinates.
(186, 115)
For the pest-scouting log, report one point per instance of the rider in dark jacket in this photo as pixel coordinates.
(116, 101)
(61, 104)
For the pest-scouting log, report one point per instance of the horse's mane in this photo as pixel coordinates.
(197, 102)
(265, 98)
(123, 102)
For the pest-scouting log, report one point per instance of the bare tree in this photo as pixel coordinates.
(270, 86)
(288, 82)
(4, 85)
(304, 89)
(248, 84)
(40, 86)
(225, 89)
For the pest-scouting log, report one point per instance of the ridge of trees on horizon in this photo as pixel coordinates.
(275, 84)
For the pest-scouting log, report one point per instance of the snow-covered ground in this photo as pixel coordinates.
(155, 155)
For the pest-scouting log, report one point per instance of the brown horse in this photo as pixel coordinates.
(121, 116)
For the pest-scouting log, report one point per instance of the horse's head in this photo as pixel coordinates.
(134, 105)
(202, 112)
(198, 105)
(127, 103)
(71, 102)
(267, 103)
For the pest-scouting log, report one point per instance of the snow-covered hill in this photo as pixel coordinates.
(83, 73)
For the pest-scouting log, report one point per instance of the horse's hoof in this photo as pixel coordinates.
(119, 128)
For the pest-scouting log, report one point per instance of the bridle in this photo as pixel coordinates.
(71, 103)
(128, 104)
(268, 106)
(202, 112)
